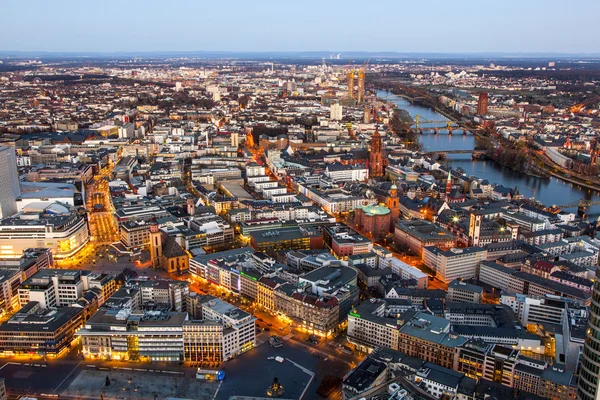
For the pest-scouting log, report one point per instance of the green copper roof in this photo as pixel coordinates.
(376, 210)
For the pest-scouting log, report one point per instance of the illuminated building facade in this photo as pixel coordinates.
(295, 238)
(51, 226)
(589, 376)
(126, 335)
(33, 330)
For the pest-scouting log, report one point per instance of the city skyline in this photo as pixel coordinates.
(185, 26)
(316, 200)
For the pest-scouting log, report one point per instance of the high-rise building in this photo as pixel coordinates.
(376, 159)
(350, 83)
(336, 112)
(367, 115)
(360, 93)
(9, 182)
(482, 104)
(235, 139)
(589, 375)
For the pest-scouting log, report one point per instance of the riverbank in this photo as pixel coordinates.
(557, 189)
(576, 182)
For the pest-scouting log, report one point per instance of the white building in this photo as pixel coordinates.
(454, 263)
(464, 292)
(346, 173)
(41, 225)
(52, 288)
(335, 112)
(240, 331)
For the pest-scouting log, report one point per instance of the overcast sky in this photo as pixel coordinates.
(301, 25)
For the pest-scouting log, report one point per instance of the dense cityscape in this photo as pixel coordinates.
(299, 228)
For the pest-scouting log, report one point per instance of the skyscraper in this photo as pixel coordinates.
(482, 104)
(9, 182)
(588, 388)
(350, 83)
(375, 158)
(360, 93)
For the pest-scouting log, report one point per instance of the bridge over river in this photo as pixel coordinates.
(475, 154)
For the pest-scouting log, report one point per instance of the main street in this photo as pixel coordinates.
(101, 222)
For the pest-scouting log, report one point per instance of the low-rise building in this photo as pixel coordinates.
(44, 332)
(41, 225)
(133, 335)
(461, 291)
(454, 263)
(416, 235)
(345, 242)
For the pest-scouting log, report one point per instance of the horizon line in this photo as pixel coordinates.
(342, 54)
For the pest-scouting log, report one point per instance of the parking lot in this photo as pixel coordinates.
(134, 384)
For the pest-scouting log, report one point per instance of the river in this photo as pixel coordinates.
(548, 191)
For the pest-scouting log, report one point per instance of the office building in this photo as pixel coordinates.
(454, 263)
(335, 112)
(52, 288)
(9, 182)
(133, 335)
(461, 291)
(482, 104)
(134, 234)
(169, 293)
(296, 238)
(371, 326)
(429, 337)
(444, 382)
(30, 262)
(508, 279)
(417, 234)
(239, 334)
(345, 242)
(44, 332)
(589, 376)
(320, 301)
(10, 279)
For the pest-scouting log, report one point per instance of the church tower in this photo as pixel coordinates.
(474, 228)
(191, 207)
(448, 184)
(375, 158)
(155, 244)
(393, 203)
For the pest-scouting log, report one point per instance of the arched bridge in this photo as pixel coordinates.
(475, 154)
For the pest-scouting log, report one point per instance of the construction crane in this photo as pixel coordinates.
(360, 93)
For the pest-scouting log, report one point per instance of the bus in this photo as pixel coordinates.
(210, 375)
